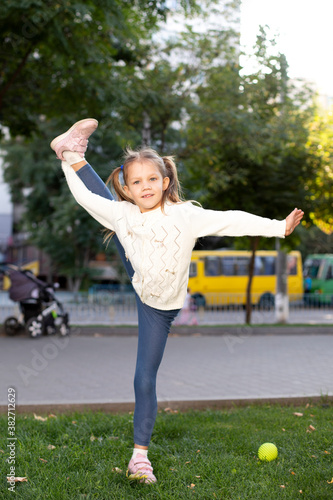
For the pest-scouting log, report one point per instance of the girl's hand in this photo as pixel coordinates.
(293, 219)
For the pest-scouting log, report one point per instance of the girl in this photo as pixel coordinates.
(155, 233)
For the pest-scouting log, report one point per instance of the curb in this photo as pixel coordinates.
(169, 406)
(197, 330)
(125, 331)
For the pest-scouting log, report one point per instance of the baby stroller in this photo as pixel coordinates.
(41, 313)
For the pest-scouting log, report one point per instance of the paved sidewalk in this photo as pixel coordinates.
(88, 370)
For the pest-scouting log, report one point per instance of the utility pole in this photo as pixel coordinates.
(281, 295)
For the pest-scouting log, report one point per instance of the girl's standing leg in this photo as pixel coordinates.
(154, 327)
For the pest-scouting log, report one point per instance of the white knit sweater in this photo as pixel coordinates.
(159, 245)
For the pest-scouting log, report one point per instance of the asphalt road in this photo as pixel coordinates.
(234, 365)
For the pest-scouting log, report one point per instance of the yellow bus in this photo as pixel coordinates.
(220, 277)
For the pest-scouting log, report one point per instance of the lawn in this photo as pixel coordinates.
(196, 454)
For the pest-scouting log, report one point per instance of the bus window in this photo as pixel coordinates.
(241, 266)
(212, 266)
(329, 275)
(264, 266)
(258, 266)
(291, 265)
(269, 265)
(227, 264)
(311, 268)
(235, 266)
(193, 270)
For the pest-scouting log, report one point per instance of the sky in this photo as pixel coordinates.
(305, 35)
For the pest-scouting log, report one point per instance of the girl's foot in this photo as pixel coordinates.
(140, 469)
(75, 139)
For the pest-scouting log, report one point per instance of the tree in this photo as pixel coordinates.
(314, 240)
(157, 103)
(247, 140)
(60, 62)
(320, 188)
(67, 59)
(51, 217)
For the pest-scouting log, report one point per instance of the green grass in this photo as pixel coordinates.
(214, 450)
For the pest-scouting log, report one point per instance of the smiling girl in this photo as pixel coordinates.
(155, 232)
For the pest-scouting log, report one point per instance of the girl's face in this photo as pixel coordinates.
(145, 185)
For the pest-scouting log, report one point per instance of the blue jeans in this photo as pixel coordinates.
(154, 327)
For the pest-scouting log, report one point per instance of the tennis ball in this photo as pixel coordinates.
(267, 452)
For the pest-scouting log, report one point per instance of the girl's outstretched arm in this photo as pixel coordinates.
(205, 222)
(293, 219)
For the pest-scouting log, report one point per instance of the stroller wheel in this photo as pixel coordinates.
(34, 327)
(64, 329)
(11, 326)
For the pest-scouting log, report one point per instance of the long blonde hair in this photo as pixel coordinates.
(166, 166)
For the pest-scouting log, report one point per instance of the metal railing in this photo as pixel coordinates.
(120, 309)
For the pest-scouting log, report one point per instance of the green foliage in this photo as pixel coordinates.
(242, 140)
(321, 187)
(247, 138)
(59, 62)
(52, 218)
(314, 240)
(56, 58)
(160, 95)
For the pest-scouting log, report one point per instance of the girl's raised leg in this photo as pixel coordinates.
(95, 184)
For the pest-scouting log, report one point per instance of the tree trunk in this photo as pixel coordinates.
(74, 285)
(254, 246)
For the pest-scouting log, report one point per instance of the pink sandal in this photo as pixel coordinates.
(140, 469)
(75, 139)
